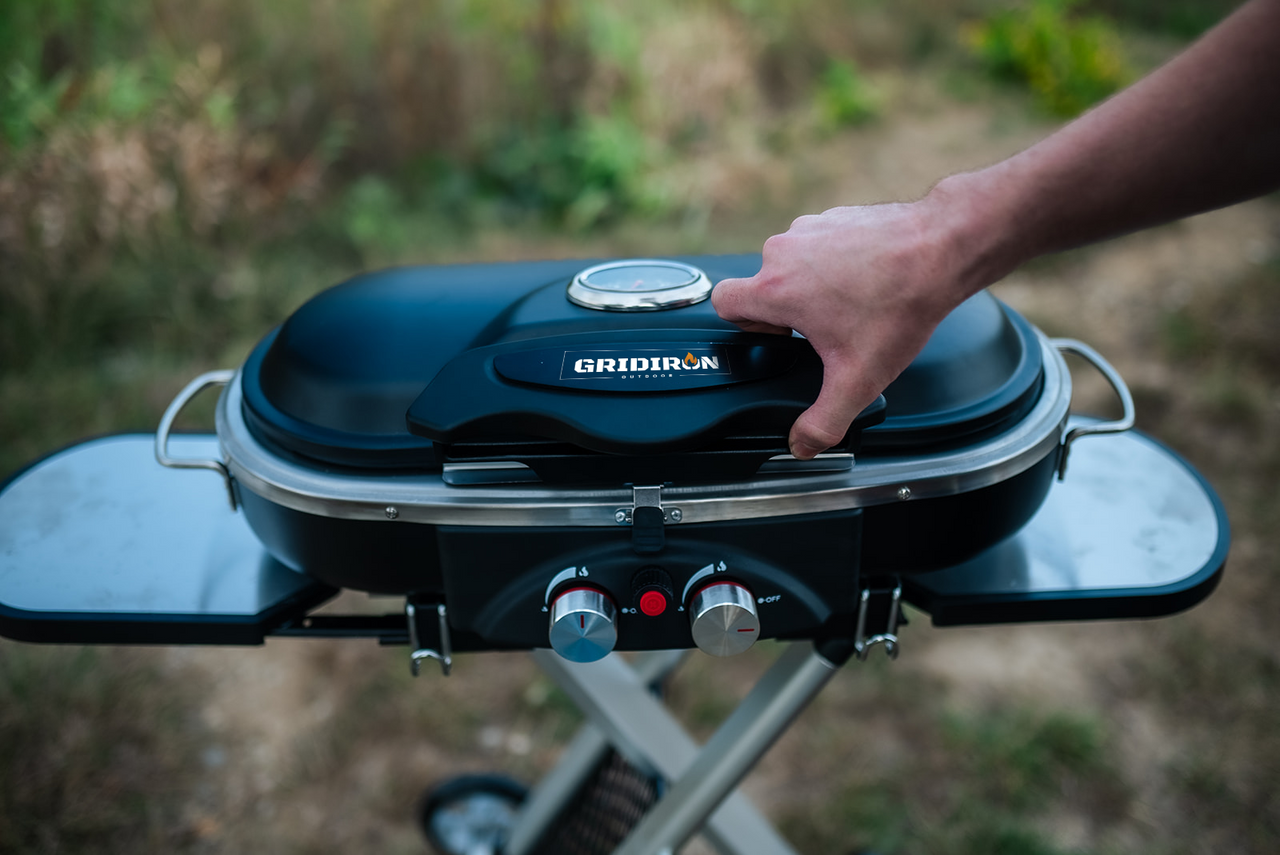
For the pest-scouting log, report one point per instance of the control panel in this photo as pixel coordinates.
(586, 592)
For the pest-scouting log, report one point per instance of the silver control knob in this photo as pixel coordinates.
(582, 625)
(724, 619)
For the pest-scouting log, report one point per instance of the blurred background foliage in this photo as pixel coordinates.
(177, 175)
(1069, 62)
(150, 154)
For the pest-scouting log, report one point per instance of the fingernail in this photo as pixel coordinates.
(803, 451)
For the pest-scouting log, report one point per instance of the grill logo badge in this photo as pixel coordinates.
(643, 364)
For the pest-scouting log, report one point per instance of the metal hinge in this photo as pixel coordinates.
(886, 603)
(444, 655)
(647, 497)
(648, 520)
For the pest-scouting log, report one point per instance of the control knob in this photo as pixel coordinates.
(724, 620)
(582, 625)
(652, 591)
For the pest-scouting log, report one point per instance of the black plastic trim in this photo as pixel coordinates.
(159, 628)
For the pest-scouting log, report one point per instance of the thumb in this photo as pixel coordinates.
(826, 422)
(734, 300)
(727, 297)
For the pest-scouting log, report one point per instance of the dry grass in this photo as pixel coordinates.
(100, 752)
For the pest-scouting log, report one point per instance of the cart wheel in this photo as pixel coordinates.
(471, 815)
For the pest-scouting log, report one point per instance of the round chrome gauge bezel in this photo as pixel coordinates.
(693, 288)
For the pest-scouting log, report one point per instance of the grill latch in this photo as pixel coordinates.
(421, 630)
(647, 517)
(879, 614)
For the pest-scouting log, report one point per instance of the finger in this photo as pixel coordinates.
(763, 327)
(728, 296)
(826, 422)
(734, 304)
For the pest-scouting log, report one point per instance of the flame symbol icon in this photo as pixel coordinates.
(691, 361)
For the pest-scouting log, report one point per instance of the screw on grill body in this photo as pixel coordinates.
(392, 512)
(904, 493)
(620, 517)
(676, 515)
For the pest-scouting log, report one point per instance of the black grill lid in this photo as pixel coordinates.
(386, 371)
(980, 372)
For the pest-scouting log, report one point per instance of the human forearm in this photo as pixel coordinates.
(1199, 133)
(868, 285)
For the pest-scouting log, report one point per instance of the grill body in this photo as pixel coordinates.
(423, 431)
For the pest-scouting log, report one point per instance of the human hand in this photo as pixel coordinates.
(866, 286)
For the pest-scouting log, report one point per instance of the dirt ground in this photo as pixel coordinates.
(307, 746)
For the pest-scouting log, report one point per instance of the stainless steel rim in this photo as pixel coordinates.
(426, 498)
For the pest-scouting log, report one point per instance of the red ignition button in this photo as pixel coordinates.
(653, 603)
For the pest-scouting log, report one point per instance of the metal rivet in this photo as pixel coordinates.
(676, 515)
(392, 512)
(904, 493)
(620, 517)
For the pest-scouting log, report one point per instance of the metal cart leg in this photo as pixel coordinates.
(770, 707)
(616, 701)
(580, 759)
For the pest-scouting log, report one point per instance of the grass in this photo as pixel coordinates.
(1232, 322)
(973, 783)
(1225, 778)
(85, 736)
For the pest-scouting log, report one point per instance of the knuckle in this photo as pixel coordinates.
(775, 245)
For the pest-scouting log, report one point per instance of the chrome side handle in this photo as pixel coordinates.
(1120, 425)
(195, 387)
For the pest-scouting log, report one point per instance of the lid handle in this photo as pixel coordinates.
(731, 383)
(195, 387)
(1120, 425)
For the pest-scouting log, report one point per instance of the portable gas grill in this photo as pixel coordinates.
(580, 458)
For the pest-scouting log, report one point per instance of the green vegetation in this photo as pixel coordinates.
(175, 177)
(1184, 19)
(1225, 779)
(1016, 766)
(845, 97)
(1022, 761)
(84, 739)
(1227, 336)
(1069, 62)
